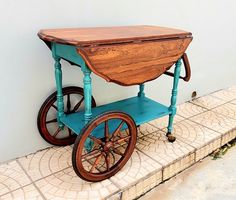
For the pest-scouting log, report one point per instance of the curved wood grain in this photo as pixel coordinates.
(133, 63)
(126, 55)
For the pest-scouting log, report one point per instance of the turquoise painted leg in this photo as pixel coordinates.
(173, 100)
(87, 102)
(87, 93)
(58, 77)
(141, 91)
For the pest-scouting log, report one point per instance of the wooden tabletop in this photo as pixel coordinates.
(108, 35)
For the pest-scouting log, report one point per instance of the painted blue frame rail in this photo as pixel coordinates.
(141, 109)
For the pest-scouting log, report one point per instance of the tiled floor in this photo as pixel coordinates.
(201, 126)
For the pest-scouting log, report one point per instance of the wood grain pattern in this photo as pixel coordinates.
(133, 63)
(126, 55)
(105, 35)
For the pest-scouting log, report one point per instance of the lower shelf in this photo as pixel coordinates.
(141, 109)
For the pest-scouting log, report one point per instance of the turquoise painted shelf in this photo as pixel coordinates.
(141, 109)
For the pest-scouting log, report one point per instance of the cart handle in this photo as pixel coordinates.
(186, 67)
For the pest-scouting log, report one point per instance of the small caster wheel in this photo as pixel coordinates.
(170, 137)
(100, 155)
(47, 116)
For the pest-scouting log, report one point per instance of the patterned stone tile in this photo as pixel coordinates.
(228, 110)
(200, 137)
(225, 95)
(207, 149)
(157, 147)
(208, 102)
(178, 166)
(116, 196)
(162, 122)
(145, 129)
(46, 162)
(67, 185)
(227, 137)
(188, 110)
(142, 186)
(194, 134)
(138, 167)
(12, 177)
(215, 121)
(26, 193)
(233, 102)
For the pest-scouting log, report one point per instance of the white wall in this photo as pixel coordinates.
(27, 76)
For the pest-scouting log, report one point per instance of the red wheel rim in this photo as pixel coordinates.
(110, 153)
(49, 128)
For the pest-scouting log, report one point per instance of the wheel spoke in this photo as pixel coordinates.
(91, 153)
(68, 105)
(51, 121)
(121, 140)
(91, 163)
(54, 106)
(78, 105)
(110, 149)
(115, 133)
(96, 162)
(56, 133)
(96, 140)
(117, 151)
(106, 131)
(107, 158)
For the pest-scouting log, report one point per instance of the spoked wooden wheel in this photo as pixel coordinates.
(47, 116)
(104, 145)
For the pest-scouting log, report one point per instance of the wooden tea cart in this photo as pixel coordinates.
(104, 137)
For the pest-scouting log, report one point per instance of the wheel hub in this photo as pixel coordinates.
(108, 146)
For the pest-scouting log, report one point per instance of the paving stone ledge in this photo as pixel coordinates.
(147, 183)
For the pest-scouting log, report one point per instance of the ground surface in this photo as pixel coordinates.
(207, 180)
